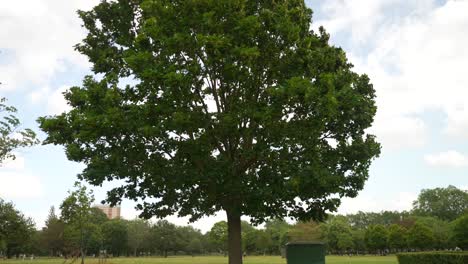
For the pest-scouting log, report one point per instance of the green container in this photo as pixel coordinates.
(305, 253)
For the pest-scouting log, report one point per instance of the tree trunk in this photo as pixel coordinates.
(234, 238)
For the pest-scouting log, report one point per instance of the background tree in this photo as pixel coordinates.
(262, 241)
(338, 234)
(52, 234)
(420, 237)
(386, 218)
(76, 212)
(235, 106)
(218, 236)
(441, 231)
(460, 232)
(444, 203)
(115, 236)
(16, 230)
(11, 136)
(195, 246)
(376, 238)
(397, 238)
(138, 231)
(185, 235)
(164, 237)
(277, 230)
(359, 240)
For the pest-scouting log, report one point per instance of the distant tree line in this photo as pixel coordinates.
(438, 221)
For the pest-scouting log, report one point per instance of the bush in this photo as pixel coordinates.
(433, 258)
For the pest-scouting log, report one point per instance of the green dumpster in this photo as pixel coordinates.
(305, 253)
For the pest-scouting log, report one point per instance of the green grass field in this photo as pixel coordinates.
(211, 260)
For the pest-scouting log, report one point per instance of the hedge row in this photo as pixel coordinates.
(433, 258)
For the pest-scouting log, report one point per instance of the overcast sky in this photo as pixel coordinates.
(415, 52)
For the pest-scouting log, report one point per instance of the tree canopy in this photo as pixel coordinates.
(77, 212)
(227, 105)
(444, 203)
(16, 230)
(11, 134)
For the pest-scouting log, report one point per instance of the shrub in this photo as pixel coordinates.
(433, 258)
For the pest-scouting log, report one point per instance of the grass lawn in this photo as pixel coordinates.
(210, 260)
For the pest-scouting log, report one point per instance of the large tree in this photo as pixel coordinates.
(12, 136)
(230, 105)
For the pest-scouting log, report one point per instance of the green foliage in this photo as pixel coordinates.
(226, 110)
(440, 229)
(138, 233)
(376, 237)
(359, 239)
(52, 235)
(397, 237)
(97, 216)
(16, 230)
(460, 232)
(305, 231)
(218, 236)
(11, 136)
(338, 234)
(385, 218)
(433, 258)
(164, 237)
(234, 106)
(115, 234)
(443, 203)
(76, 213)
(195, 246)
(421, 237)
(277, 230)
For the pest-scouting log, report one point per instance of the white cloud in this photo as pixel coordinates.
(19, 185)
(16, 182)
(37, 96)
(400, 132)
(449, 158)
(364, 18)
(37, 40)
(53, 100)
(416, 59)
(56, 103)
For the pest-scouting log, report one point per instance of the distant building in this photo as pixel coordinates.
(111, 212)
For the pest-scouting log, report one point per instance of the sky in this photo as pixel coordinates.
(415, 53)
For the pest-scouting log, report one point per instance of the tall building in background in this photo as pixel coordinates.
(111, 212)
